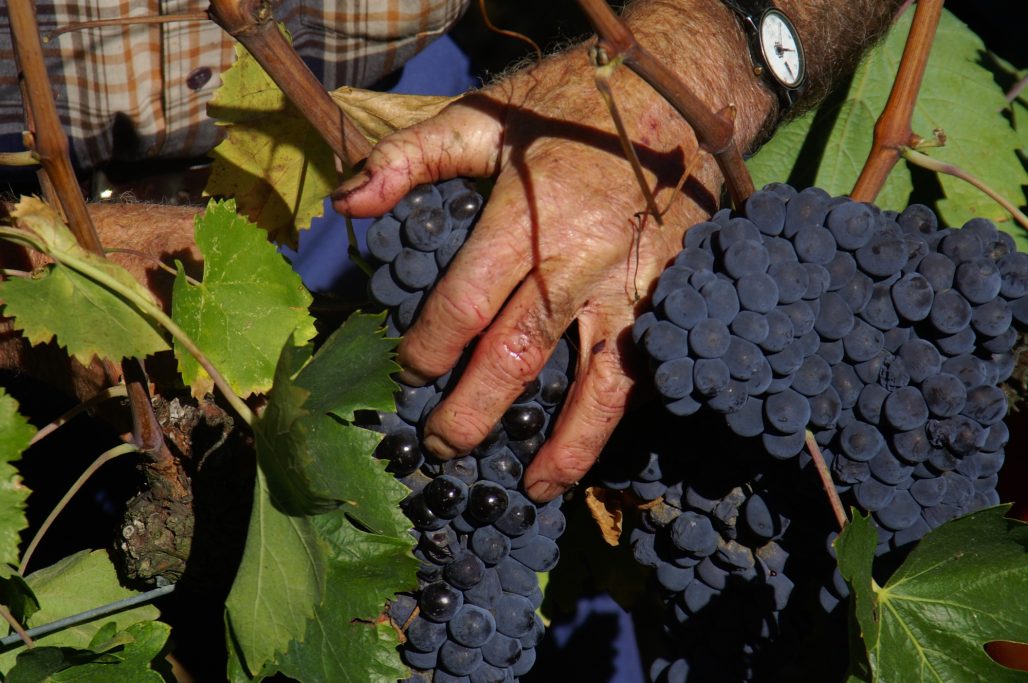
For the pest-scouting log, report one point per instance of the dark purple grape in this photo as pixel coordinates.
(852, 225)
(439, 601)
(767, 211)
(523, 421)
(465, 571)
(402, 450)
(487, 501)
(446, 496)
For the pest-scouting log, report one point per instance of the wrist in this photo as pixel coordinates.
(703, 42)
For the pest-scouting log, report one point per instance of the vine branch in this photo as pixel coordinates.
(47, 140)
(714, 131)
(892, 130)
(252, 24)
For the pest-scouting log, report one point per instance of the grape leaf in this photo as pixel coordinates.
(248, 305)
(272, 161)
(827, 148)
(377, 114)
(15, 435)
(962, 586)
(315, 461)
(280, 580)
(75, 584)
(122, 657)
(16, 595)
(352, 369)
(346, 641)
(61, 301)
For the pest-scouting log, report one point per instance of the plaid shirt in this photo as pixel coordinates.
(137, 92)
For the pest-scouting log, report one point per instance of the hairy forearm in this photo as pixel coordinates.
(703, 41)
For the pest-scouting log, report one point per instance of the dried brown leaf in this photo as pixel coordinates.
(605, 507)
(377, 114)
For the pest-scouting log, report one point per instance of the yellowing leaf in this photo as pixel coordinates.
(273, 162)
(378, 114)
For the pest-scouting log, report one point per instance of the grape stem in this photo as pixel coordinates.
(714, 131)
(893, 130)
(93, 467)
(925, 161)
(16, 626)
(826, 481)
(252, 24)
(117, 391)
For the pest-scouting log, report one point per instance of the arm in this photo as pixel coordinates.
(557, 241)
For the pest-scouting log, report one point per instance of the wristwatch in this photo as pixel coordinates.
(775, 48)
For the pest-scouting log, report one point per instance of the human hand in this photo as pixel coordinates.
(558, 241)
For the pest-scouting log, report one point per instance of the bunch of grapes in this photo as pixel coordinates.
(884, 335)
(480, 540)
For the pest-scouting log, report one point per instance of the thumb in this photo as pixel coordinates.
(463, 140)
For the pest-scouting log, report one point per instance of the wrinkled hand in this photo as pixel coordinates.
(558, 241)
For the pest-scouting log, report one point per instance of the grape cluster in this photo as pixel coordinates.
(713, 532)
(480, 540)
(881, 333)
(884, 335)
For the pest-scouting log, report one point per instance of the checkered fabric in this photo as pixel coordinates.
(137, 92)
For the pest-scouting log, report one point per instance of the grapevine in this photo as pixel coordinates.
(820, 458)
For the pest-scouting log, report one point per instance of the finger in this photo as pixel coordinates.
(592, 409)
(491, 264)
(465, 139)
(507, 358)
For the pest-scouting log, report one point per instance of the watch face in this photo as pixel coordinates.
(781, 49)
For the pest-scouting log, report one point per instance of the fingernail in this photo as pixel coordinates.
(544, 491)
(350, 186)
(438, 447)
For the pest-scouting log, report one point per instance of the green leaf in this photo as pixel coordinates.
(122, 657)
(961, 587)
(15, 435)
(958, 96)
(281, 434)
(343, 466)
(44, 663)
(352, 369)
(138, 647)
(314, 461)
(60, 301)
(75, 584)
(280, 580)
(272, 161)
(248, 305)
(103, 323)
(16, 595)
(347, 640)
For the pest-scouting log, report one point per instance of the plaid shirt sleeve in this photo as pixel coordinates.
(138, 92)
